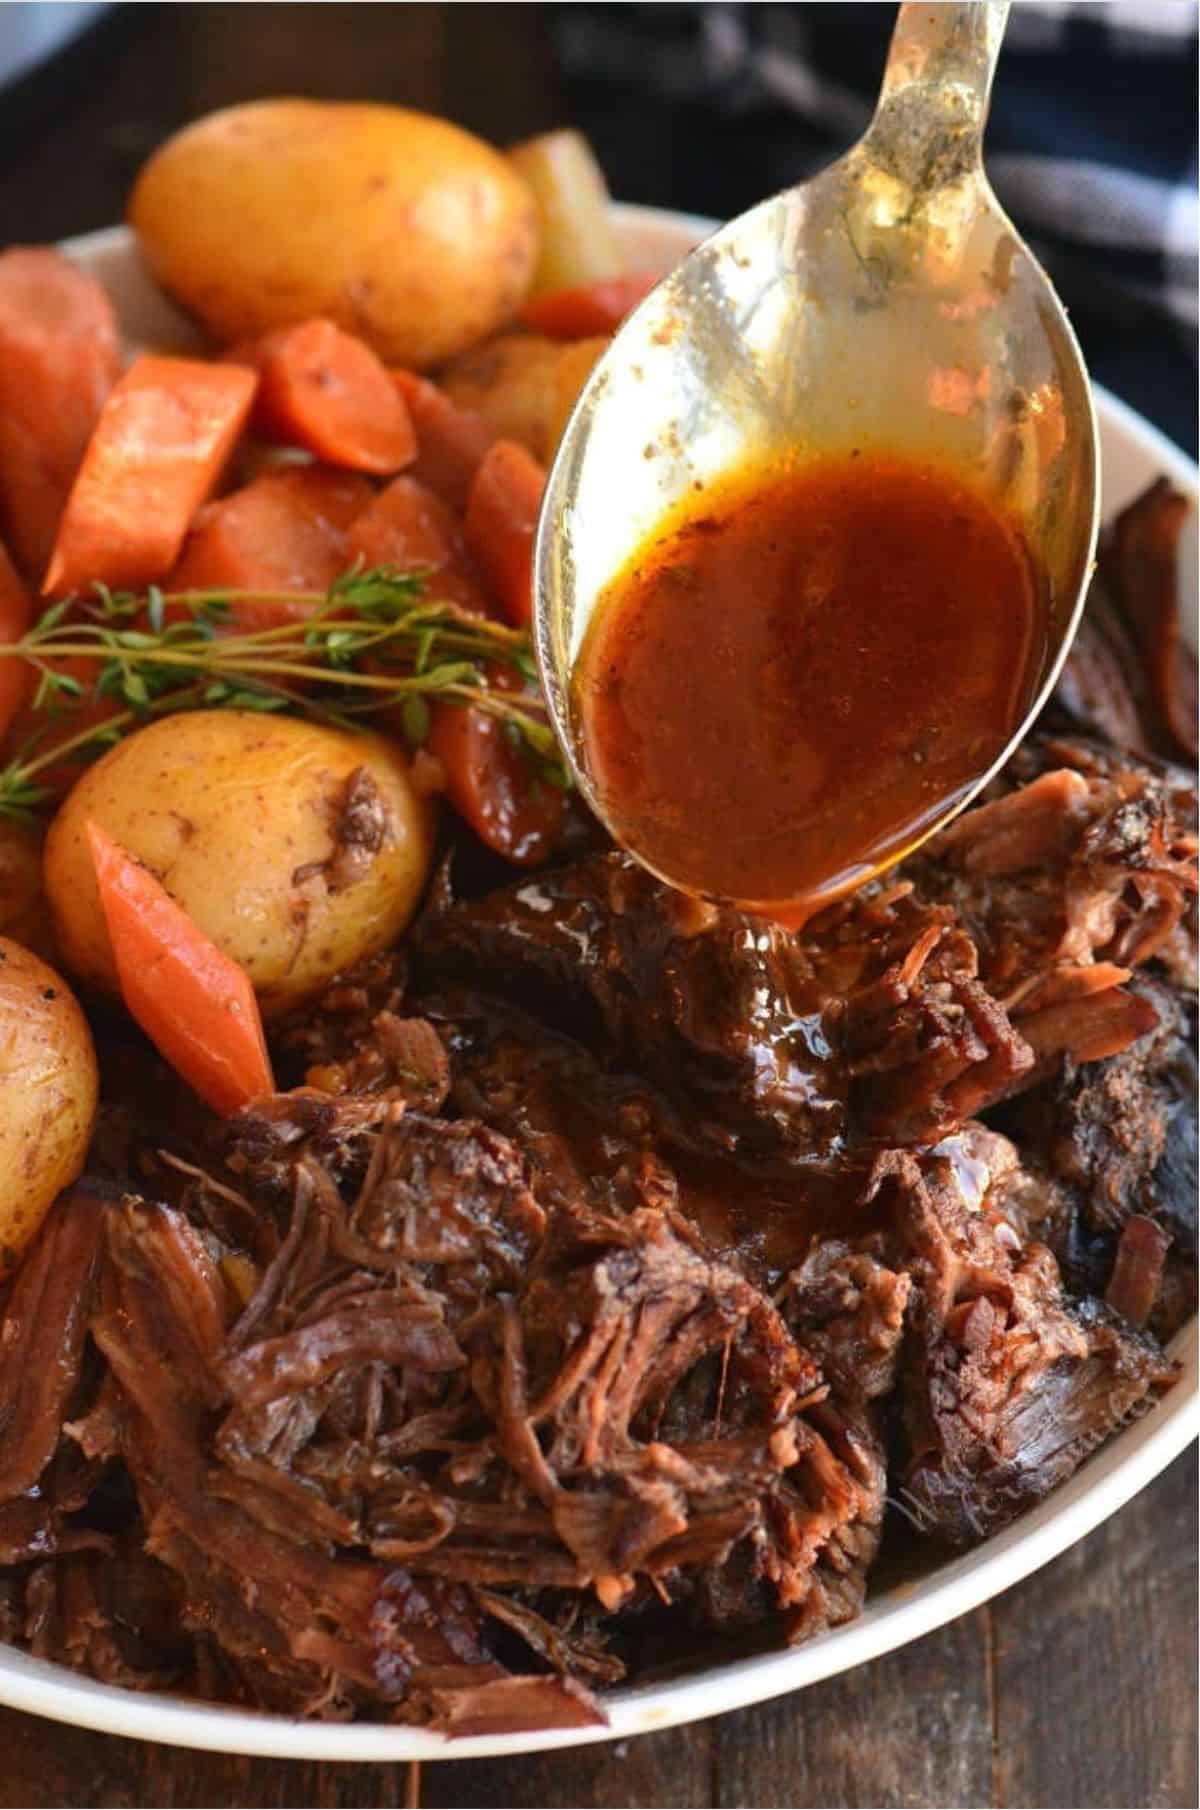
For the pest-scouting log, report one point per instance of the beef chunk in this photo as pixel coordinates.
(1141, 558)
(923, 1042)
(1118, 1138)
(117, 1618)
(847, 1307)
(506, 1706)
(400, 1057)
(335, 1028)
(451, 1199)
(772, 1046)
(893, 1016)
(1008, 1385)
(1129, 678)
(41, 1340)
(427, 1376)
(1065, 885)
(1101, 1127)
(586, 1134)
(650, 1457)
(1101, 690)
(356, 1040)
(1138, 1272)
(699, 999)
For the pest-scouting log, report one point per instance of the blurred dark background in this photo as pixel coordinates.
(1092, 144)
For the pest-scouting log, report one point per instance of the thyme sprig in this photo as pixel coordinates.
(371, 642)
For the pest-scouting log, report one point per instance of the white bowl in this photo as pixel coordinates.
(1133, 453)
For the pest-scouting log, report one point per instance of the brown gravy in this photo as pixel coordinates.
(803, 671)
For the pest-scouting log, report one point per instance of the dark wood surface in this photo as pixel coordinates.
(1077, 1688)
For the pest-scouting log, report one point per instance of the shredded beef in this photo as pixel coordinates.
(1008, 1384)
(769, 1045)
(1118, 1137)
(1065, 885)
(609, 1260)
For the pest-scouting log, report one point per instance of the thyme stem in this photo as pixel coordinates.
(371, 640)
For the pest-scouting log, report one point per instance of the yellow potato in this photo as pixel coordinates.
(22, 903)
(297, 848)
(48, 1088)
(399, 226)
(523, 385)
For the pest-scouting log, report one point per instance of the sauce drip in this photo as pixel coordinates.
(803, 672)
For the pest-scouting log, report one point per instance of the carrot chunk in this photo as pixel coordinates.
(158, 450)
(52, 730)
(493, 785)
(592, 308)
(500, 523)
(16, 614)
(60, 354)
(451, 440)
(408, 526)
(194, 1003)
(286, 531)
(327, 391)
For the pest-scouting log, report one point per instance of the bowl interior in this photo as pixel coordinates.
(1132, 454)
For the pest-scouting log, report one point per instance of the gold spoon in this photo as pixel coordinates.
(887, 302)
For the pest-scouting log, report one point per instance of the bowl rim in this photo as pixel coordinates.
(895, 1617)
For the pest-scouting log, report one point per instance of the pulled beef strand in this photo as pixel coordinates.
(46, 1323)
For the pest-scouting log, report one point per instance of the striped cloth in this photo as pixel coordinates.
(1091, 145)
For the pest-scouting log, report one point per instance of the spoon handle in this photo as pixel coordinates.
(933, 104)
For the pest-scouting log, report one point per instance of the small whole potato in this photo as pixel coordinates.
(400, 227)
(48, 1089)
(297, 848)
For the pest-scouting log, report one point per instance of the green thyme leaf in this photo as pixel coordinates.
(414, 714)
(375, 639)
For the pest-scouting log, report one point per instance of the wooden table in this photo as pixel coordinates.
(1077, 1688)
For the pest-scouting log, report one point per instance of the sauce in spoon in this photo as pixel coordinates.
(801, 672)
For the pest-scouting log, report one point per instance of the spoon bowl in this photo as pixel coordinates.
(886, 306)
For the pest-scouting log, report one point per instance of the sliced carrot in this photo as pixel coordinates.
(450, 440)
(16, 614)
(327, 391)
(194, 1003)
(286, 531)
(406, 526)
(88, 711)
(60, 354)
(592, 308)
(500, 523)
(493, 786)
(159, 447)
